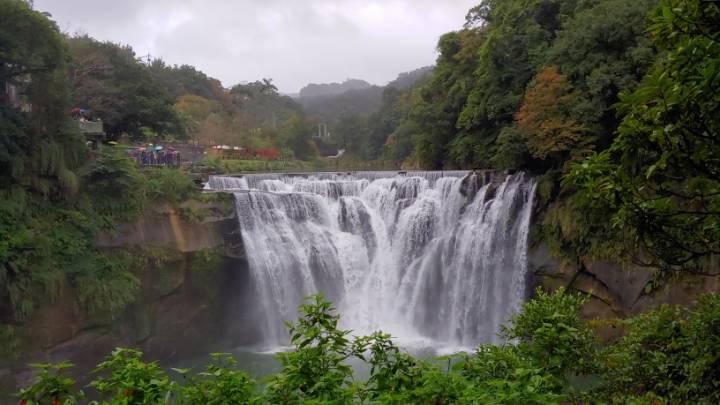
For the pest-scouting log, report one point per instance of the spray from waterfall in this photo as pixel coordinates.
(433, 257)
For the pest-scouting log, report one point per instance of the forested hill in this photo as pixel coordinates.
(332, 89)
(406, 80)
(347, 114)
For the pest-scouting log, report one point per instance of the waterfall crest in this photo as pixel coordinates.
(439, 257)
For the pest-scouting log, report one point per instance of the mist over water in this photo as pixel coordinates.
(438, 259)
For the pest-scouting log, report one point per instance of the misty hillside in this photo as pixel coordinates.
(408, 79)
(328, 108)
(332, 89)
(360, 98)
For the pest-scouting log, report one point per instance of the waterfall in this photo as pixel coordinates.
(438, 257)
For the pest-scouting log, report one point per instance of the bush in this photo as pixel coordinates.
(50, 386)
(132, 381)
(114, 185)
(549, 330)
(317, 368)
(167, 184)
(220, 384)
(671, 352)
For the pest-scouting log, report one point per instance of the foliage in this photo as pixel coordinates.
(316, 370)
(659, 178)
(603, 50)
(105, 290)
(128, 380)
(297, 135)
(114, 183)
(39, 147)
(221, 383)
(545, 119)
(224, 166)
(671, 352)
(551, 329)
(109, 80)
(506, 375)
(391, 371)
(165, 184)
(30, 42)
(50, 386)
(206, 260)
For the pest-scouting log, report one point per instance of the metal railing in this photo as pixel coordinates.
(91, 127)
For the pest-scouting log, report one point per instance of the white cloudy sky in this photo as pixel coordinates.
(294, 42)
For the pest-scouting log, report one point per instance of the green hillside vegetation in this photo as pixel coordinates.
(55, 198)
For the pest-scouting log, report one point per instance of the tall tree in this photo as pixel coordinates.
(39, 149)
(547, 121)
(108, 80)
(661, 176)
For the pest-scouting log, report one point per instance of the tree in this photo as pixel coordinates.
(297, 135)
(29, 42)
(108, 80)
(442, 98)
(350, 132)
(545, 119)
(661, 176)
(39, 149)
(603, 50)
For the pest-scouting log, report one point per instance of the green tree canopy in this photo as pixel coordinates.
(108, 80)
(661, 176)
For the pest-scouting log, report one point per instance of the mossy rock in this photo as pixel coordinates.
(168, 279)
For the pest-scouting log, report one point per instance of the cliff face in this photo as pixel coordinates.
(186, 255)
(615, 290)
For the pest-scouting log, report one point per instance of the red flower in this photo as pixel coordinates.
(126, 392)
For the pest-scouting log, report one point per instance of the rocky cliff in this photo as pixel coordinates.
(615, 290)
(184, 257)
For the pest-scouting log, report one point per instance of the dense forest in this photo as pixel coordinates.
(612, 104)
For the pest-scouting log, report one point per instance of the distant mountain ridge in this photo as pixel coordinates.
(353, 96)
(332, 89)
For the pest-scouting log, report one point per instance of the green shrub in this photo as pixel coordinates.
(671, 352)
(317, 369)
(129, 380)
(50, 386)
(105, 290)
(171, 185)
(221, 383)
(114, 185)
(549, 329)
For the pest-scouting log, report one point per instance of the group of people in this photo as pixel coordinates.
(155, 155)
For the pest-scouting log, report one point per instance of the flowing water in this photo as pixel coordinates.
(435, 258)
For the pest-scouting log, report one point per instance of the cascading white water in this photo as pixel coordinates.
(435, 257)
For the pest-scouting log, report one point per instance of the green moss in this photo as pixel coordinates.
(105, 292)
(206, 260)
(193, 214)
(9, 342)
(573, 234)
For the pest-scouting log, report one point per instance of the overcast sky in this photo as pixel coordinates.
(294, 42)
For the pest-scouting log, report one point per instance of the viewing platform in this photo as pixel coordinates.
(91, 127)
